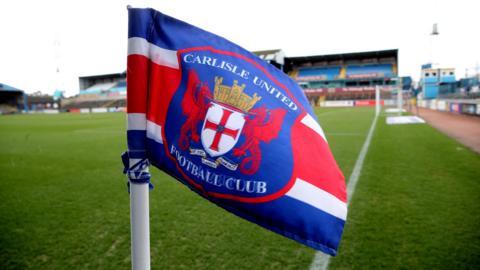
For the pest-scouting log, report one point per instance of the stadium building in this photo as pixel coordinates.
(441, 91)
(434, 79)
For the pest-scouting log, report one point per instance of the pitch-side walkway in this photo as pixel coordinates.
(463, 128)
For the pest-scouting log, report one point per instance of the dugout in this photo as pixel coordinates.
(38, 102)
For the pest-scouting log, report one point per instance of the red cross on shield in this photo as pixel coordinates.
(221, 129)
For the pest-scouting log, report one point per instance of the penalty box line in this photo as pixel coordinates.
(321, 260)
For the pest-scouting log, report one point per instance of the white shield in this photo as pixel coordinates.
(221, 129)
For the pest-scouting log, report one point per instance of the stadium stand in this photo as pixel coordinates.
(98, 88)
(466, 88)
(347, 76)
(119, 87)
(102, 82)
(12, 100)
(76, 105)
(106, 92)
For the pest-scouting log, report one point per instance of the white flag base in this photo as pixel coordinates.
(140, 226)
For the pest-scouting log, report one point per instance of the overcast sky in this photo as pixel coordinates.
(90, 37)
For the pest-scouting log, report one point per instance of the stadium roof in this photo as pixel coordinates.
(6, 87)
(116, 75)
(263, 54)
(276, 55)
(343, 56)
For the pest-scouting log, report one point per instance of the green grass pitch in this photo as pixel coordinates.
(64, 204)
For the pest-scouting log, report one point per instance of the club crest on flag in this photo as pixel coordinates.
(225, 117)
(221, 129)
(229, 115)
(230, 126)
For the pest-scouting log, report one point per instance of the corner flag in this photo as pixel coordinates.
(233, 128)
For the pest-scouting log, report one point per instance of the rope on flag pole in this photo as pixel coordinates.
(136, 171)
(139, 184)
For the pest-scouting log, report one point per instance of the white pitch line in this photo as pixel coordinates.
(321, 260)
(344, 134)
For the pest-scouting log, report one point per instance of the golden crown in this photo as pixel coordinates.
(234, 95)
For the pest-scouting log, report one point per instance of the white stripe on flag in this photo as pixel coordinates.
(318, 198)
(154, 132)
(157, 54)
(139, 46)
(310, 122)
(136, 121)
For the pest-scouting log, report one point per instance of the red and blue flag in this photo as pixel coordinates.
(231, 127)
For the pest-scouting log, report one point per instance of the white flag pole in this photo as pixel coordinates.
(139, 222)
(140, 226)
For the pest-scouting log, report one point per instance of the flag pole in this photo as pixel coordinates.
(137, 170)
(140, 227)
(139, 186)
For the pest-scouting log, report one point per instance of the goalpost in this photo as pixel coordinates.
(396, 102)
(391, 97)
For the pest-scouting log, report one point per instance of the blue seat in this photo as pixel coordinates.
(323, 73)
